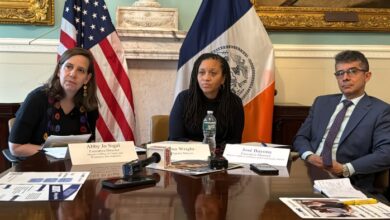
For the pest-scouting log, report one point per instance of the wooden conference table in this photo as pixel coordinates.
(216, 196)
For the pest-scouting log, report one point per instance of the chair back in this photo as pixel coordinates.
(382, 181)
(6, 152)
(159, 128)
(10, 124)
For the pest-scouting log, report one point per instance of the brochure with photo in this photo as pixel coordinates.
(193, 167)
(332, 208)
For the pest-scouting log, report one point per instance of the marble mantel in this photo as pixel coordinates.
(151, 45)
(152, 55)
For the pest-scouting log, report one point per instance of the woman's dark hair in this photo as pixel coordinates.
(195, 108)
(54, 89)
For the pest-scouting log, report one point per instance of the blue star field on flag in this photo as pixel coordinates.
(91, 20)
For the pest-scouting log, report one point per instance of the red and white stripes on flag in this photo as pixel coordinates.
(87, 24)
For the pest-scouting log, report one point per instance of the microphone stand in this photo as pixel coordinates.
(136, 166)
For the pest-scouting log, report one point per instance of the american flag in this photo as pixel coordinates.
(87, 24)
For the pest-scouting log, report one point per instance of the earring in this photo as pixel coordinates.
(85, 90)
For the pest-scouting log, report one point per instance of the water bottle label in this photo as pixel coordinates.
(209, 126)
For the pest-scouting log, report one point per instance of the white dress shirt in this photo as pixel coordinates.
(335, 146)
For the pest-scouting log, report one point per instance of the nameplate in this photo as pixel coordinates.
(239, 153)
(102, 152)
(163, 152)
(340, 16)
(185, 150)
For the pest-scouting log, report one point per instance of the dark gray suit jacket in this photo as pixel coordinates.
(365, 142)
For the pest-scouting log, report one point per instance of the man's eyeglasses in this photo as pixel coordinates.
(350, 72)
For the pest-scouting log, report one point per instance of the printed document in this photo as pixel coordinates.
(61, 141)
(338, 188)
(56, 152)
(41, 186)
(330, 208)
(44, 178)
(35, 192)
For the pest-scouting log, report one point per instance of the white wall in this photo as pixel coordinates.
(24, 66)
(152, 82)
(302, 73)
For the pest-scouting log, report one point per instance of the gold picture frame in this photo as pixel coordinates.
(36, 12)
(313, 18)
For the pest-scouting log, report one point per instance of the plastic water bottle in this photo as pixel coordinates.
(209, 131)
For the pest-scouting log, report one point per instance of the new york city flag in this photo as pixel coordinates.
(232, 29)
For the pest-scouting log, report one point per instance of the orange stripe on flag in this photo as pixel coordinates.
(258, 117)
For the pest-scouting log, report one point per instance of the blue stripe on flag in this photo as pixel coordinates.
(213, 18)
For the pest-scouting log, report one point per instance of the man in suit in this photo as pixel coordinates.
(361, 146)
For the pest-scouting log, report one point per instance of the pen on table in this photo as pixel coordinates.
(263, 144)
(360, 201)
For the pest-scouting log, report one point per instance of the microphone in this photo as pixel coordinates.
(155, 158)
(136, 166)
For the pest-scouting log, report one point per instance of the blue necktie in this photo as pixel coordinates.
(334, 129)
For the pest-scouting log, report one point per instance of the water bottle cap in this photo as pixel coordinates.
(209, 112)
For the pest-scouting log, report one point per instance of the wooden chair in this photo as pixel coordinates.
(159, 128)
(382, 181)
(6, 152)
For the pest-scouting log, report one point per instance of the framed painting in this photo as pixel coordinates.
(36, 12)
(325, 15)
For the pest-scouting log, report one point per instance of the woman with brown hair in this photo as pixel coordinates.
(66, 105)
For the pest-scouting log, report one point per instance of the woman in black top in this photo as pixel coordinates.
(66, 105)
(209, 90)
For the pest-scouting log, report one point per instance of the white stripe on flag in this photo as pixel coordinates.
(68, 28)
(258, 47)
(61, 49)
(115, 88)
(109, 119)
(119, 51)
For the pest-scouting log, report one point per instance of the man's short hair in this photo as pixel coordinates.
(348, 56)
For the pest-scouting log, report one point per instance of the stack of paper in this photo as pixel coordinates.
(60, 141)
(338, 188)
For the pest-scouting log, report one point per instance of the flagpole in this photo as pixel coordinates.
(44, 34)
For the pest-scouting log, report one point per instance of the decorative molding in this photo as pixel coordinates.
(329, 51)
(38, 12)
(146, 3)
(147, 18)
(313, 18)
(28, 45)
(281, 50)
(151, 44)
